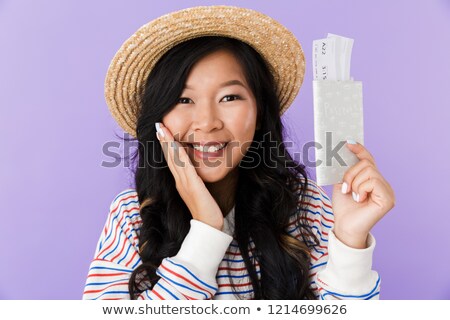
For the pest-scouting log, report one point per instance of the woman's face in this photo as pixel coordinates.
(215, 107)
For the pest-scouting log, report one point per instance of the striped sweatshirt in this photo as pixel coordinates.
(207, 269)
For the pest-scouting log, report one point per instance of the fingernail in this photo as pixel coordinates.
(344, 187)
(355, 196)
(158, 129)
(350, 141)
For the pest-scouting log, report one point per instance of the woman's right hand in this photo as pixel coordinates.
(190, 186)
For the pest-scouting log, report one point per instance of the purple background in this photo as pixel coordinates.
(54, 121)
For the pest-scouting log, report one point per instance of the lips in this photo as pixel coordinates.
(208, 143)
(209, 147)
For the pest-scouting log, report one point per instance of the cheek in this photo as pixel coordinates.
(243, 127)
(244, 124)
(175, 122)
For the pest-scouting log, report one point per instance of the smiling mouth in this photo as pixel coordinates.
(207, 148)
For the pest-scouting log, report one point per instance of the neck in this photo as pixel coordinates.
(223, 191)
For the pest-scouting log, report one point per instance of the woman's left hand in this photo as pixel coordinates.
(367, 198)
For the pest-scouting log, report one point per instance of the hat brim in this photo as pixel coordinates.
(133, 62)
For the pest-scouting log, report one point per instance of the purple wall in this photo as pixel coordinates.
(54, 121)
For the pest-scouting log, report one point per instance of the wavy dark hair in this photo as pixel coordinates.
(266, 196)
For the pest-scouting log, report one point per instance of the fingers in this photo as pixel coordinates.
(361, 178)
(361, 172)
(369, 173)
(350, 175)
(360, 151)
(175, 155)
(379, 193)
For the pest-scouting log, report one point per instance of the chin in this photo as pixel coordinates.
(211, 175)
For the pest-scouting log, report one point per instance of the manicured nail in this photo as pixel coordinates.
(355, 196)
(344, 187)
(350, 141)
(158, 129)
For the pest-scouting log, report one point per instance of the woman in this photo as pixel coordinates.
(220, 210)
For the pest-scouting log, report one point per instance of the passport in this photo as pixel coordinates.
(338, 108)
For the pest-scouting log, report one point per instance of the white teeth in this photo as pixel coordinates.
(210, 148)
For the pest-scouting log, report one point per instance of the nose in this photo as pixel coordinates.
(206, 118)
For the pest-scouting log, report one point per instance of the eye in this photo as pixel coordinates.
(184, 100)
(234, 96)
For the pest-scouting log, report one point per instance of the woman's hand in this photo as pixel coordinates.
(190, 186)
(361, 200)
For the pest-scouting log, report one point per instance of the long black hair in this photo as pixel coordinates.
(267, 194)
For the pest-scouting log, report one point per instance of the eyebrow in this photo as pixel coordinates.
(225, 84)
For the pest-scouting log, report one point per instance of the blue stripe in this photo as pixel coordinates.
(127, 191)
(317, 212)
(134, 215)
(100, 245)
(314, 247)
(318, 265)
(111, 292)
(118, 241)
(375, 294)
(318, 251)
(103, 283)
(297, 227)
(320, 191)
(179, 284)
(229, 276)
(158, 284)
(115, 218)
(193, 275)
(354, 296)
(137, 262)
(126, 253)
(320, 234)
(241, 260)
(318, 231)
(237, 246)
(146, 293)
(230, 292)
(107, 268)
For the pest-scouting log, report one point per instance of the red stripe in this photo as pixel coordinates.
(235, 269)
(132, 257)
(121, 200)
(123, 247)
(321, 256)
(292, 224)
(158, 295)
(312, 190)
(117, 227)
(106, 275)
(235, 285)
(111, 212)
(111, 285)
(316, 206)
(137, 220)
(238, 253)
(115, 236)
(184, 278)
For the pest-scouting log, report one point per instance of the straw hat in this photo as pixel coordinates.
(133, 62)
